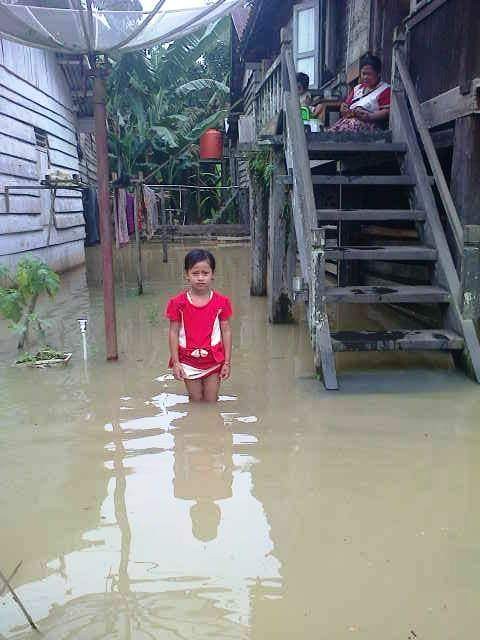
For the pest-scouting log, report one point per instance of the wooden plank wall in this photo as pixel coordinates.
(34, 94)
(251, 83)
(444, 35)
(88, 163)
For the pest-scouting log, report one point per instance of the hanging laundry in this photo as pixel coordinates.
(130, 213)
(120, 218)
(151, 211)
(90, 214)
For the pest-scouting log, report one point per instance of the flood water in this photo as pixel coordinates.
(284, 511)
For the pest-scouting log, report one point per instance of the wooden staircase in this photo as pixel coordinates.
(419, 251)
(423, 242)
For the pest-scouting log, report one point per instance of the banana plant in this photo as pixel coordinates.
(162, 100)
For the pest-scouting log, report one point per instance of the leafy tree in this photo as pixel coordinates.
(19, 296)
(162, 100)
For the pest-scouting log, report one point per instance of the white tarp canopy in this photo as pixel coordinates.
(103, 26)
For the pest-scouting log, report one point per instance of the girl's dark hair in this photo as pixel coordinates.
(199, 255)
(371, 61)
(303, 80)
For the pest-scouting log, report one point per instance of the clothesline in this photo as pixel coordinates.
(187, 186)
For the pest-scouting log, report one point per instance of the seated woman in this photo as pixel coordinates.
(367, 106)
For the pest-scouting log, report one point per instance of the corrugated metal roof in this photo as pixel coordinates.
(80, 81)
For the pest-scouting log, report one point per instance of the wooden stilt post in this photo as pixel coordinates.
(100, 114)
(138, 248)
(164, 227)
(320, 328)
(279, 228)
(244, 207)
(465, 192)
(258, 237)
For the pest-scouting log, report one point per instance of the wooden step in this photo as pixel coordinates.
(378, 294)
(321, 150)
(401, 253)
(370, 215)
(401, 340)
(359, 181)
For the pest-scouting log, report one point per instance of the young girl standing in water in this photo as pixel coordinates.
(200, 337)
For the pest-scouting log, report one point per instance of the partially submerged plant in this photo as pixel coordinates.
(46, 353)
(19, 296)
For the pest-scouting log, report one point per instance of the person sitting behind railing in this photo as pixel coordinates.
(367, 106)
(303, 82)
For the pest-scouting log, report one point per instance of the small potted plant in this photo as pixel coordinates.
(19, 293)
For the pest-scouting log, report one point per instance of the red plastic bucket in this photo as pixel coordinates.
(211, 145)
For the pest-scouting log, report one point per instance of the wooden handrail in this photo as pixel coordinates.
(269, 73)
(304, 209)
(430, 151)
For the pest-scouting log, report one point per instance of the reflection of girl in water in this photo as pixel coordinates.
(203, 469)
(200, 337)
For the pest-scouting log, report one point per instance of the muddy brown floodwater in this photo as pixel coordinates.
(283, 511)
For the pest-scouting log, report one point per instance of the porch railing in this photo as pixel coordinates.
(269, 96)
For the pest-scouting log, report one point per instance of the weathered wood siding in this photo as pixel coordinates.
(88, 162)
(37, 134)
(358, 31)
(449, 34)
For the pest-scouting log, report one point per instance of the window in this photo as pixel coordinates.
(43, 160)
(332, 34)
(306, 40)
(41, 139)
(316, 31)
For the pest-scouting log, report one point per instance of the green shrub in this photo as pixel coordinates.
(20, 293)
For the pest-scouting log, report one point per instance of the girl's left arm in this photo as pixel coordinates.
(227, 346)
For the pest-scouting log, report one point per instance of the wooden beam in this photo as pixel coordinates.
(400, 253)
(451, 105)
(387, 294)
(370, 215)
(259, 236)
(319, 149)
(400, 340)
(320, 328)
(279, 296)
(423, 13)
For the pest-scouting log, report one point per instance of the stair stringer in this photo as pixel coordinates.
(445, 274)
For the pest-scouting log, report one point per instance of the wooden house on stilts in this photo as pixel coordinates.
(394, 216)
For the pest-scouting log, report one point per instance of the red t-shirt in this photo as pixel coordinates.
(199, 340)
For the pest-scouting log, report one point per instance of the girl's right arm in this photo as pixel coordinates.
(173, 344)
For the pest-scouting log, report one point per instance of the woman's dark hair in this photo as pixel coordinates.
(199, 255)
(303, 80)
(371, 61)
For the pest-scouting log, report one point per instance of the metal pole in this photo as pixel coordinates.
(104, 210)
